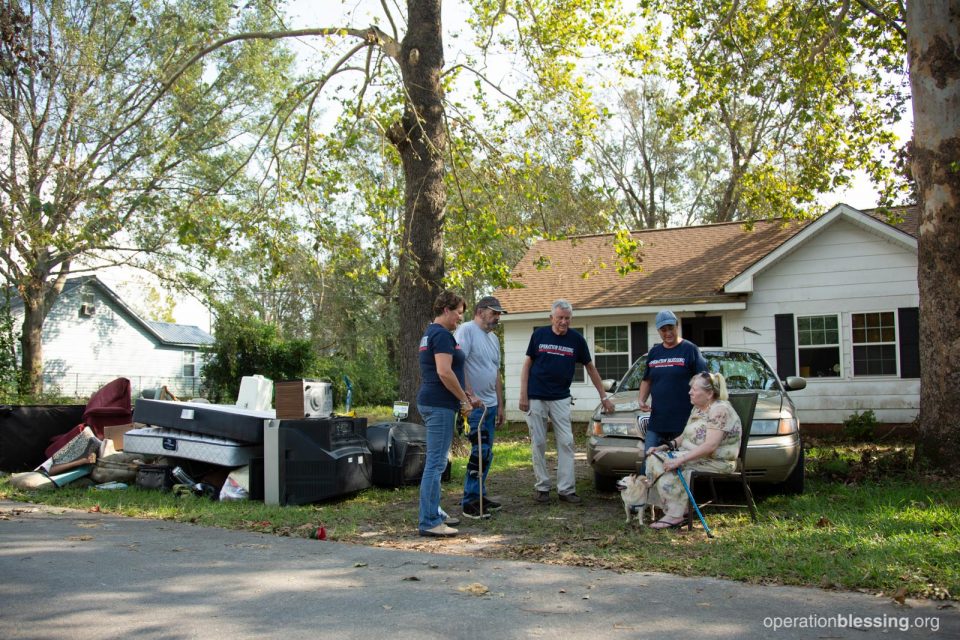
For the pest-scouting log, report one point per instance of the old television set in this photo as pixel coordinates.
(314, 459)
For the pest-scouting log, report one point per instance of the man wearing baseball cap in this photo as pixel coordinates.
(670, 365)
(481, 348)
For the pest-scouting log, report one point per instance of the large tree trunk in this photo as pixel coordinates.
(31, 349)
(421, 139)
(38, 296)
(933, 30)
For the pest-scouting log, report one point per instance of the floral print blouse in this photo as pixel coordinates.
(719, 415)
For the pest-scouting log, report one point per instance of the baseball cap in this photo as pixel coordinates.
(489, 302)
(664, 318)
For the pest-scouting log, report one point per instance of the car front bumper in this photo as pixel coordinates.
(770, 459)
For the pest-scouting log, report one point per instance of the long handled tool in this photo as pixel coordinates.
(466, 425)
(692, 501)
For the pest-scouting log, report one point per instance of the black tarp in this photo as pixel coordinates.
(25, 431)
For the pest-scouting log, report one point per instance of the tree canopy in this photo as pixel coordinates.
(114, 148)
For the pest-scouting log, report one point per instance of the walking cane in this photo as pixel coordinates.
(692, 501)
(483, 416)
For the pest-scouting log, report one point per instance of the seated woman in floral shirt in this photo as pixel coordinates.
(709, 442)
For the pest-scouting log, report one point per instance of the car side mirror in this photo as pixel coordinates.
(795, 383)
(607, 384)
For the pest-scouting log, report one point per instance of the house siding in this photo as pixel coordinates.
(81, 353)
(843, 269)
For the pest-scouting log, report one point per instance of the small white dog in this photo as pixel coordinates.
(633, 492)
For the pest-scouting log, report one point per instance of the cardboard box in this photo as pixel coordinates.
(116, 432)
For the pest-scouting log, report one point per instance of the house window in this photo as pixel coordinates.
(189, 364)
(818, 346)
(874, 344)
(612, 346)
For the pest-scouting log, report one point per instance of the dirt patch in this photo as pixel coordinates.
(523, 529)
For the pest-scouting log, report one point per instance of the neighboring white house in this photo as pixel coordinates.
(834, 300)
(91, 337)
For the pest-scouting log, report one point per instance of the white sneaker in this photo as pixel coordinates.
(439, 531)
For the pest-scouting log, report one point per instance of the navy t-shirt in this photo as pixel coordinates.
(669, 372)
(438, 339)
(555, 360)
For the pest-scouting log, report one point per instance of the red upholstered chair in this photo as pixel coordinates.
(108, 406)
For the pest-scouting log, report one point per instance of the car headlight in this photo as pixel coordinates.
(626, 426)
(781, 427)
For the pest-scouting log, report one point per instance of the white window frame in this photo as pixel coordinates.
(190, 359)
(596, 350)
(895, 343)
(838, 345)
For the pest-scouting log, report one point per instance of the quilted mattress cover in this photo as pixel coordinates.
(192, 446)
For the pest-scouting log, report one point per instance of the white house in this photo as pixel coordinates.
(834, 300)
(91, 337)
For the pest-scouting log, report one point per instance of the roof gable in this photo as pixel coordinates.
(166, 333)
(872, 222)
(693, 266)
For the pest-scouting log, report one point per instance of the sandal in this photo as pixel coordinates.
(663, 523)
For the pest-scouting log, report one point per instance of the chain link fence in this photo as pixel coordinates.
(81, 385)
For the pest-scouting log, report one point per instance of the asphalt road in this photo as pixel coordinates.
(75, 575)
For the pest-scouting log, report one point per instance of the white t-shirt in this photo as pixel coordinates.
(482, 365)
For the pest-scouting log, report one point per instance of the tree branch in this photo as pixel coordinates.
(890, 22)
(372, 36)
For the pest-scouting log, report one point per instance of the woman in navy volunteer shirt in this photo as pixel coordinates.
(441, 396)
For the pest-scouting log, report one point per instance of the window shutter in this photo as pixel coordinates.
(786, 345)
(638, 340)
(909, 326)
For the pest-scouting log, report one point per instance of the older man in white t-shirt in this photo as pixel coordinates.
(482, 374)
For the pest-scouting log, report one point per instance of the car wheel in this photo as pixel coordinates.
(793, 485)
(604, 483)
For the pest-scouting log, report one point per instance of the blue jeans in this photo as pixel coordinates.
(654, 439)
(439, 422)
(471, 484)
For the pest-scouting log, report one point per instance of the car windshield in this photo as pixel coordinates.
(741, 369)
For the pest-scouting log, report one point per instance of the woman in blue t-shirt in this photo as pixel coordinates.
(440, 397)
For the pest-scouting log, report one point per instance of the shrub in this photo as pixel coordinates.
(860, 426)
(247, 346)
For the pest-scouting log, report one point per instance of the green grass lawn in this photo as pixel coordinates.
(867, 521)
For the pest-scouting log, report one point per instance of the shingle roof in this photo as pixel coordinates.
(909, 218)
(686, 265)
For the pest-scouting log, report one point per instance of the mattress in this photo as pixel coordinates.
(221, 421)
(192, 446)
